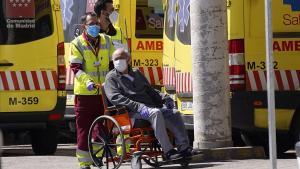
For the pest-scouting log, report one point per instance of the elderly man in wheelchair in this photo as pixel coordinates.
(128, 87)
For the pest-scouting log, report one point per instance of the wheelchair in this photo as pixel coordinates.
(113, 140)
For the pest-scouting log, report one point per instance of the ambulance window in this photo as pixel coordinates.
(24, 21)
(149, 19)
(183, 30)
(170, 15)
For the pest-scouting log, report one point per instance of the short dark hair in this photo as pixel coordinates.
(83, 18)
(101, 5)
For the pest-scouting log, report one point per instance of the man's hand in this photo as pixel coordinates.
(169, 102)
(145, 112)
(97, 86)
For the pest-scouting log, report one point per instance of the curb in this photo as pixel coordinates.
(62, 150)
(297, 148)
(217, 154)
(229, 153)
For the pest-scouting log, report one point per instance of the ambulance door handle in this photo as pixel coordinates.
(6, 64)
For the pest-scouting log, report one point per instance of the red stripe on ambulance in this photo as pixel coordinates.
(69, 78)
(285, 80)
(15, 80)
(169, 76)
(184, 82)
(28, 80)
(153, 74)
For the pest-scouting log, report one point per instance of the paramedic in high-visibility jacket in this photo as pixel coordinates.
(90, 57)
(103, 9)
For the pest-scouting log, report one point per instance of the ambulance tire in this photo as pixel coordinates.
(44, 142)
(294, 131)
(262, 139)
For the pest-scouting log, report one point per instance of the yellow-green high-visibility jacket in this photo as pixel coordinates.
(94, 68)
(119, 40)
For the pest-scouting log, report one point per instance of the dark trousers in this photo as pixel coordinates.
(87, 109)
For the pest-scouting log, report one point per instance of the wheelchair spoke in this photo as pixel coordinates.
(103, 134)
(112, 158)
(104, 151)
(115, 145)
(106, 155)
(111, 129)
(98, 151)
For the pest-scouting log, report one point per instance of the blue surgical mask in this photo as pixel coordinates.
(93, 30)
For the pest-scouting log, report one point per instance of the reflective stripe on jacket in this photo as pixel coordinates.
(84, 158)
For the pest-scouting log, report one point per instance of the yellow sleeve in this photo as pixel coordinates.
(77, 58)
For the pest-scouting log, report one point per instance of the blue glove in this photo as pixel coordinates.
(91, 86)
(169, 102)
(145, 113)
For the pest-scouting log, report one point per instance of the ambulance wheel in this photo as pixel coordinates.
(44, 142)
(294, 131)
(106, 142)
(262, 139)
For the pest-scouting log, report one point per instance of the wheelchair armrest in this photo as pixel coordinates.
(115, 110)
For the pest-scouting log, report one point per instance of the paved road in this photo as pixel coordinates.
(22, 157)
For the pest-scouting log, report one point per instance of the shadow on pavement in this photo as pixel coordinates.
(190, 166)
(26, 150)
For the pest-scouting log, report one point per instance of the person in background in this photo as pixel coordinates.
(128, 87)
(89, 60)
(103, 8)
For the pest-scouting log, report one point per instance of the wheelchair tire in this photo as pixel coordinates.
(151, 163)
(109, 139)
(154, 161)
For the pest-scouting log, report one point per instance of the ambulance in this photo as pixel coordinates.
(141, 22)
(32, 71)
(247, 67)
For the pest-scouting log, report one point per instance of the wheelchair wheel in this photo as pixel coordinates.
(154, 161)
(106, 142)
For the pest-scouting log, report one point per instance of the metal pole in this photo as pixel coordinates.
(1, 144)
(270, 84)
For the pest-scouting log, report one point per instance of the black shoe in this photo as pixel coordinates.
(172, 155)
(85, 167)
(189, 152)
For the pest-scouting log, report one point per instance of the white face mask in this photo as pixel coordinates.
(120, 65)
(113, 17)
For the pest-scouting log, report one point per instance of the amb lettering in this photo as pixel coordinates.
(283, 46)
(289, 19)
(149, 45)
